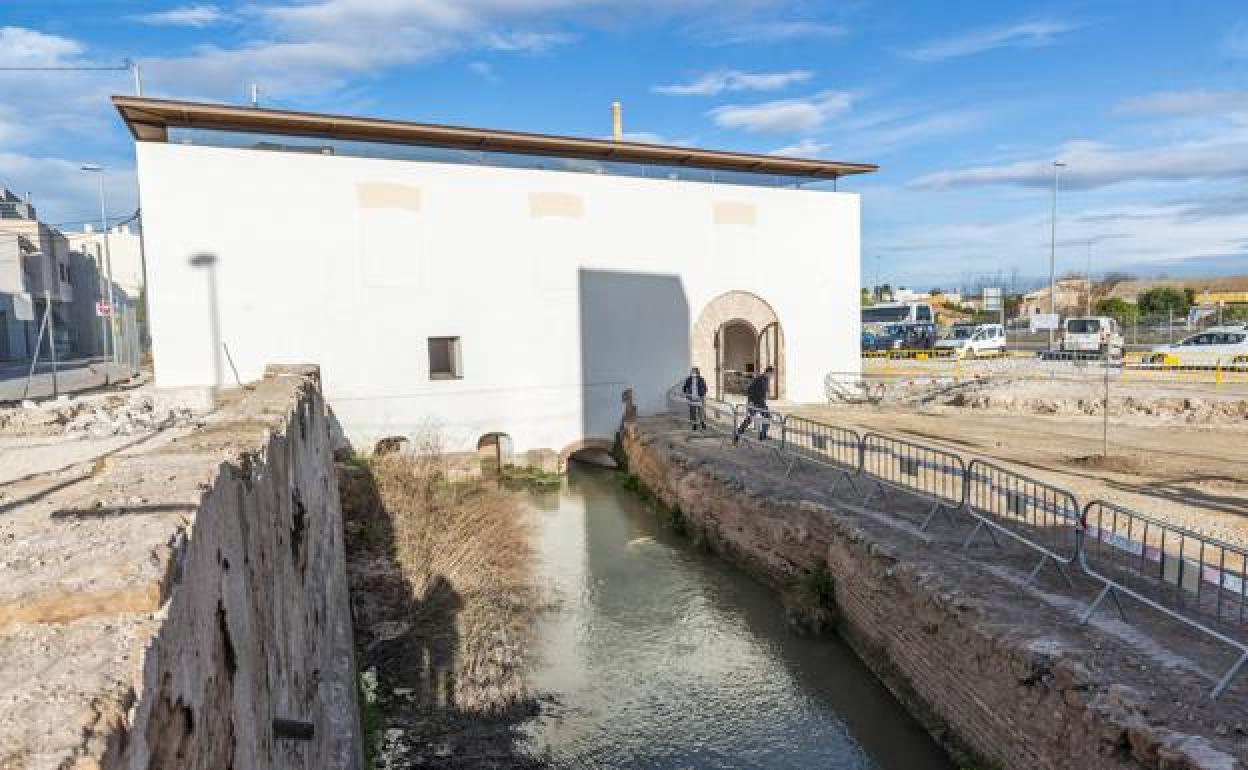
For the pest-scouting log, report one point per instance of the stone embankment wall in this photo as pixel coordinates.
(997, 687)
(164, 604)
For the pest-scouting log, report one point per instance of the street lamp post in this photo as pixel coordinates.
(1057, 165)
(108, 259)
(1088, 277)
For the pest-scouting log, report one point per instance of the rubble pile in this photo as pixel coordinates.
(94, 417)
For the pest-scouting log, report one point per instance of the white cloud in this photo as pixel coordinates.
(1133, 235)
(734, 80)
(784, 115)
(883, 131)
(757, 31)
(1195, 102)
(526, 41)
(21, 47)
(186, 16)
(316, 47)
(483, 70)
(62, 192)
(649, 137)
(803, 148)
(1091, 165)
(1027, 34)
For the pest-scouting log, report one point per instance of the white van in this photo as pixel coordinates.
(974, 340)
(1092, 334)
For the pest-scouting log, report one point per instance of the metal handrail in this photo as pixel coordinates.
(920, 471)
(825, 445)
(1019, 507)
(1183, 577)
(1045, 518)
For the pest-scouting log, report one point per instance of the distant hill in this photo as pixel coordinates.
(1128, 290)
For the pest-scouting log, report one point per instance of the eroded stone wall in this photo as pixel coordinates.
(218, 602)
(997, 686)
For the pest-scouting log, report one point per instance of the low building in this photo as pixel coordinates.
(1072, 298)
(34, 272)
(476, 282)
(125, 251)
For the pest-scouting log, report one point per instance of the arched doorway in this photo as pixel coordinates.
(494, 452)
(737, 360)
(736, 336)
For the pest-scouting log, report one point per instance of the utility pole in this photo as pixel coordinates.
(95, 168)
(1088, 277)
(138, 76)
(1057, 165)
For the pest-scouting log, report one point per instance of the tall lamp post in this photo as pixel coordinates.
(1088, 277)
(97, 169)
(1057, 166)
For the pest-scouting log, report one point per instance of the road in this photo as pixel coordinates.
(73, 376)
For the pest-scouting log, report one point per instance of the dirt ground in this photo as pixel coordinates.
(1178, 451)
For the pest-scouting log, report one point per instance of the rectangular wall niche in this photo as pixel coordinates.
(733, 213)
(445, 362)
(555, 204)
(390, 234)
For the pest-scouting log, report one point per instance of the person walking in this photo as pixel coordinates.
(756, 396)
(695, 392)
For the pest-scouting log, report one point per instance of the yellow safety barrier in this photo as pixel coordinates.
(1186, 367)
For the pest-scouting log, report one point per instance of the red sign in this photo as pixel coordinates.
(103, 309)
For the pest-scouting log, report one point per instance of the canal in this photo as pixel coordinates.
(661, 656)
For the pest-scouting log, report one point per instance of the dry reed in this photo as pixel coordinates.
(465, 552)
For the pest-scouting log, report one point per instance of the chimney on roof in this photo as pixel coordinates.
(617, 121)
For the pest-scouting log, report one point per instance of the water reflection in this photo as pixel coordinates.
(662, 657)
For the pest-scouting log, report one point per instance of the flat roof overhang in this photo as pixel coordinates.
(149, 120)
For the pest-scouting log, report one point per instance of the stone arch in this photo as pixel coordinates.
(738, 307)
(495, 452)
(602, 445)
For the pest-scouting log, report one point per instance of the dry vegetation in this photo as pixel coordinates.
(445, 599)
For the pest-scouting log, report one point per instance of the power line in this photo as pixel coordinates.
(127, 65)
(123, 68)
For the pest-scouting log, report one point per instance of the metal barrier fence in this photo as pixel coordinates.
(916, 354)
(719, 415)
(1214, 369)
(1197, 580)
(840, 448)
(1041, 516)
(921, 471)
(1186, 367)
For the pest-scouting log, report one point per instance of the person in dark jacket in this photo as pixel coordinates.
(756, 395)
(695, 391)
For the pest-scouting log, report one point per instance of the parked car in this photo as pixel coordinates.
(917, 336)
(1228, 343)
(1092, 334)
(972, 340)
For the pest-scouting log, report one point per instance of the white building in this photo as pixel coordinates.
(482, 281)
(125, 251)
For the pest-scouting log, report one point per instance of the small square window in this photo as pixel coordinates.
(444, 359)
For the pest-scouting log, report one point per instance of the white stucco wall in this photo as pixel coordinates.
(565, 288)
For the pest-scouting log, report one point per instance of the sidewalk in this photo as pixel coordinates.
(73, 376)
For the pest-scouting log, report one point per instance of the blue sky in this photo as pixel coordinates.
(964, 105)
